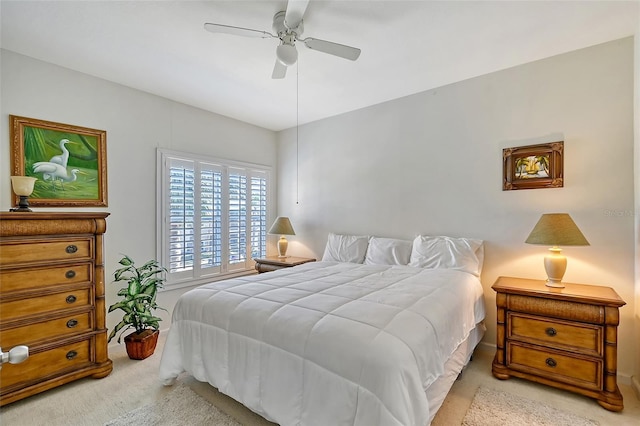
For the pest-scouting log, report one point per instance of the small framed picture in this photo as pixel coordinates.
(533, 166)
(69, 162)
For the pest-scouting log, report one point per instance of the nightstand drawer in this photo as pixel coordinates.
(572, 336)
(563, 367)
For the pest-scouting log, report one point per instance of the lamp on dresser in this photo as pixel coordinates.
(22, 187)
(556, 229)
(282, 226)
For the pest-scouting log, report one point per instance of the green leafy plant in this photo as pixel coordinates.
(139, 296)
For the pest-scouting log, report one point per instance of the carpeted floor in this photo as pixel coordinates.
(181, 406)
(134, 384)
(492, 407)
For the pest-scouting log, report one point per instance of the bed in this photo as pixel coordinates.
(333, 342)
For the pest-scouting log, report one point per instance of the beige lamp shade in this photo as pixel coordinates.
(282, 226)
(556, 229)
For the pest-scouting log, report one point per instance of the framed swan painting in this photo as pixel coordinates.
(69, 162)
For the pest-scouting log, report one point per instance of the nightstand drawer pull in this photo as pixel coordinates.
(551, 362)
(70, 274)
(72, 323)
(71, 355)
(71, 299)
(71, 249)
(551, 331)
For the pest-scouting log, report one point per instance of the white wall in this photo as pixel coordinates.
(432, 163)
(136, 123)
(636, 378)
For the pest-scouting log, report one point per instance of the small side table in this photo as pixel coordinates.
(272, 263)
(562, 337)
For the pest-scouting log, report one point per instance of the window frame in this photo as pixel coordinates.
(227, 269)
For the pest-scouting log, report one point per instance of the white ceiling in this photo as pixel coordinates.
(407, 47)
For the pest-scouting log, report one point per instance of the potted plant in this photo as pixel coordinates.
(138, 304)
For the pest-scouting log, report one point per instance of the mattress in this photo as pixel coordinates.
(326, 342)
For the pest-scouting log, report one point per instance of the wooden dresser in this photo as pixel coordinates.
(52, 300)
(561, 337)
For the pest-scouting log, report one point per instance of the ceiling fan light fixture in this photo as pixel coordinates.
(287, 54)
(288, 26)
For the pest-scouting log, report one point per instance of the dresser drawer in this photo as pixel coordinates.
(562, 366)
(43, 364)
(572, 336)
(45, 330)
(75, 298)
(32, 278)
(30, 251)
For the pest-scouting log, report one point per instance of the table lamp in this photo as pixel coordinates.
(556, 229)
(282, 226)
(22, 187)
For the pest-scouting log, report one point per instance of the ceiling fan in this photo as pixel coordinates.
(288, 26)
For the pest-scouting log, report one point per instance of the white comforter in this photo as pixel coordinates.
(325, 343)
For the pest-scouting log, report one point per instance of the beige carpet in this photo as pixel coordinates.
(489, 407)
(493, 407)
(181, 406)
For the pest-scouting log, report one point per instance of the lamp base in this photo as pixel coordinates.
(23, 205)
(554, 284)
(555, 264)
(283, 244)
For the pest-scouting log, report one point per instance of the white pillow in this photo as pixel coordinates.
(463, 254)
(346, 248)
(387, 251)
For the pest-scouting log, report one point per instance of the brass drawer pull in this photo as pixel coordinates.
(71, 249)
(551, 362)
(72, 323)
(71, 298)
(551, 331)
(71, 355)
(70, 274)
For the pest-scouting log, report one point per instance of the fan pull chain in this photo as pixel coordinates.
(297, 134)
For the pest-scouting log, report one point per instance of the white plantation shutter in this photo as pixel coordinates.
(258, 215)
(181, 217)
(212, 217)
(237, 218)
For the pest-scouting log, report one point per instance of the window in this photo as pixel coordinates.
(212, 216)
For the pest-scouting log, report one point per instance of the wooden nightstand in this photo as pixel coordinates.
(271, 263)
(565, 338)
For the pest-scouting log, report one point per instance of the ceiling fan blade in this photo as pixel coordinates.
(295, 12)
(347, 52)
(244, 32)
(279, 70)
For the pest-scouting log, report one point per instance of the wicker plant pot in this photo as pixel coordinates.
(141, 345)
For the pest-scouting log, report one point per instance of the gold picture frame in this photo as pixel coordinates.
(70, 162)
(533, 166)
